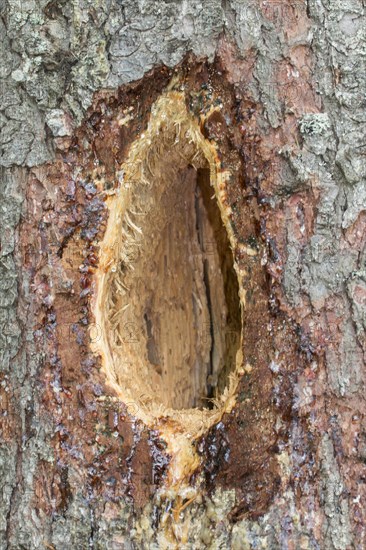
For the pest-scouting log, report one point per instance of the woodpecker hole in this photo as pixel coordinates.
(167, 295)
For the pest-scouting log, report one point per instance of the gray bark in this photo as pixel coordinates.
(56, 55)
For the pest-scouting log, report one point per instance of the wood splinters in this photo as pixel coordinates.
(132, 224)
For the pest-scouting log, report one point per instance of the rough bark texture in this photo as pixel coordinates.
(286, 468)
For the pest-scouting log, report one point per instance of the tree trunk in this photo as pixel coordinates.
(183, 281)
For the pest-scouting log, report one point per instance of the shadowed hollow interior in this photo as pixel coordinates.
(167, 290)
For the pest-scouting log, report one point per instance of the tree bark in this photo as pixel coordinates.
(267, 98)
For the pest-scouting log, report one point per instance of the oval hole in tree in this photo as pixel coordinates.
(167, 289)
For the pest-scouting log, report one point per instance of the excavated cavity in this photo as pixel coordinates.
(167, 299)
(219, 287)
